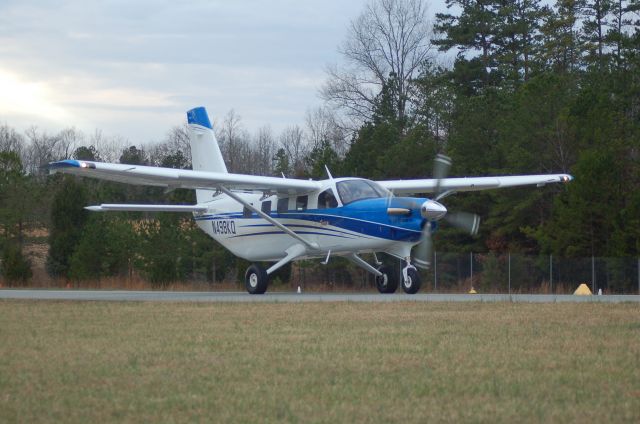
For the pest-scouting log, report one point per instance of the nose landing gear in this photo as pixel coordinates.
(410, 278)
(388, 281)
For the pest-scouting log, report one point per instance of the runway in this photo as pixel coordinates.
(284, 297)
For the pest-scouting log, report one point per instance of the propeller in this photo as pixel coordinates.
(433, 211)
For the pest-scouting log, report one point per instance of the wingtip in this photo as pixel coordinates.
(68, 163)
(71, 163)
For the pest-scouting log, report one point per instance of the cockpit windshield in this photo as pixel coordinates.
(352, 190)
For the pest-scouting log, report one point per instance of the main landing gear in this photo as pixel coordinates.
(387, 281)
(256, 279)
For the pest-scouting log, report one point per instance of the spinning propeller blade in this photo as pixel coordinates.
(433, 211)
(469, 222)
(423, 251)
(441, 166)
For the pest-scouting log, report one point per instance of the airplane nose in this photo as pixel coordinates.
(432, 210)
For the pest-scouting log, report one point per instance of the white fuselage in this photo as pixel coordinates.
(339, 229)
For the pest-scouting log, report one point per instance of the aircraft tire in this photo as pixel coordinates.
(388, 282)
(412, 284)
(256, 279)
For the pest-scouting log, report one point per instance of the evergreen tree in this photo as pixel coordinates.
(15, 267)
(561, 48)
(67, 221)
(322, 156)
(112, 256)
(281, 163)
(86, 153)
(133, 156)
(473, 33)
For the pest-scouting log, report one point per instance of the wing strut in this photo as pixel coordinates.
(293, 252)
(313, 246)
(363, 264)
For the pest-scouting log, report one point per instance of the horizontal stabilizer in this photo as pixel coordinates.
(146, 208)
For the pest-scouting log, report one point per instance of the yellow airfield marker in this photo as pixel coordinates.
(473, 291)
(583, 290)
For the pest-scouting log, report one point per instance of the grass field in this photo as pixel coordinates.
(340, 362)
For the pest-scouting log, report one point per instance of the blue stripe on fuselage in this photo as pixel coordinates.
(367, 217)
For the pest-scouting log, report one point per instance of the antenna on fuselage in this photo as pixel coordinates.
(328, 172)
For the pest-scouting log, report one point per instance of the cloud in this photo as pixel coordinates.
(30, 98)
(134, 68)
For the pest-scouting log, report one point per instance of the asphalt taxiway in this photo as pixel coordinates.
(287, 297)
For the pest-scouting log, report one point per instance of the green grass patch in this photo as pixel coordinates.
(326, 362)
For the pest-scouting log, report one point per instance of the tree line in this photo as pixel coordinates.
(502, 87)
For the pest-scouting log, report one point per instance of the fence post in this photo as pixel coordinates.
(593, 274)
(435, 270)
(471, 262)
(551, 272)
(509, 272)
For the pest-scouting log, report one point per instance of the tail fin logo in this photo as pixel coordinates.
(199, 116)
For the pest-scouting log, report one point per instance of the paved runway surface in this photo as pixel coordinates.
(280, 297)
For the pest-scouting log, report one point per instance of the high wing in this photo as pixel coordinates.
(472, 183)
(105, 207)
(181, 178)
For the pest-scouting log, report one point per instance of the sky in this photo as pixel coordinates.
(133, 68)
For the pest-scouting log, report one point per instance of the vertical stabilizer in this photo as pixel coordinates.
(205, 152)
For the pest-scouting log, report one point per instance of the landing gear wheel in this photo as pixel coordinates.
(256, 279)
(411, 284)
(388, 281)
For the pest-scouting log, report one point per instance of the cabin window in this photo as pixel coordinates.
(283, 205)
(266, 207)
(301, 203)
(246, 212)
(327, 200)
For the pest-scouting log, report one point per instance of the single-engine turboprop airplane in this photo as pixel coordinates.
(279, 220)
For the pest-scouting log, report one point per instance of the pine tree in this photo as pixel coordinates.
(67, 221)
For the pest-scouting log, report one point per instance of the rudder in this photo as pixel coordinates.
(205, 151)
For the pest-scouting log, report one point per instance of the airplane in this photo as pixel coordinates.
(280, 220)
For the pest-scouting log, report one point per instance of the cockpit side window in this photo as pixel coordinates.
(352, 190)
(327, 200)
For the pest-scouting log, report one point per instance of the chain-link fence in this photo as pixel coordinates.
(517, 273)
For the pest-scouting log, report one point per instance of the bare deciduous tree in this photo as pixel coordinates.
(109, 148)
(323, 127)
(234, 143)
(385, 45)
(174, 151)
(264, 147)
(10, 140)
(44, 148)
(178, 139)
(292, 140)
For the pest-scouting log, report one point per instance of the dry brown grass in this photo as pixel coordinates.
(335, 362)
